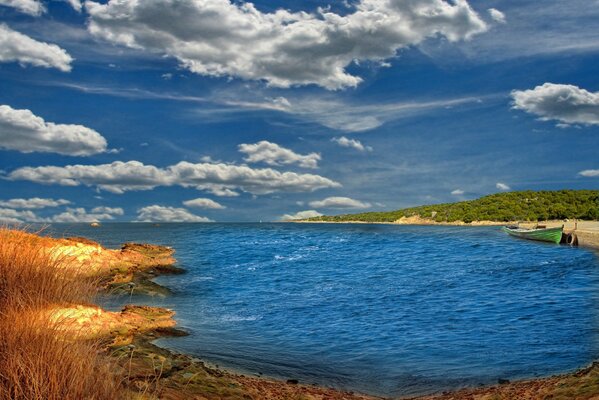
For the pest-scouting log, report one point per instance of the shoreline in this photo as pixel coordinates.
(128, 337)
(585, 233)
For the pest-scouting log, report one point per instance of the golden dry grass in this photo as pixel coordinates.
(37, 360)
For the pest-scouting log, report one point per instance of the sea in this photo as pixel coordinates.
(379, 309)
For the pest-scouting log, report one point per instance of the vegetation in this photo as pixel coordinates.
(512, 206)
(37, 360)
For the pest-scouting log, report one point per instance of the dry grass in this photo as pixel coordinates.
(31, 277)
(37, 361)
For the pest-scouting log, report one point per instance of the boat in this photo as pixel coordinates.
(552, 235)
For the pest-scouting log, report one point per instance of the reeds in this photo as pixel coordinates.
(38, 360)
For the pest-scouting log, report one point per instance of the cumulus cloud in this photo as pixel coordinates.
(203, 203)
(219, 37)
(273, 154)
(502, 186)
(75, 215)
(457, 192)
(71, 215)
(76, 4)
(33, 203)
(589, 173)
(339, 202)
(108, 210)
(23, 131)
(119, 177)
(301, 215)
(497, 15)
(218, 190)
(157, 213)
(567, 104)
(353, 143)
(16, 47)
(31, 7)
(10, 216)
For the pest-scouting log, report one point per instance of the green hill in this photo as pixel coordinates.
(511, 206)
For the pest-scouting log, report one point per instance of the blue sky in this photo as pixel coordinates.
(196, 110)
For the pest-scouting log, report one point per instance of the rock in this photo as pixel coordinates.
(503, 381)
(292, 381)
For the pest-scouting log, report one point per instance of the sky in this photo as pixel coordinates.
(212, 110)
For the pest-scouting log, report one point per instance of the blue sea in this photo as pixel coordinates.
(379, 309)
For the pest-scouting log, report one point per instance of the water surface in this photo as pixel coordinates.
(391, 310)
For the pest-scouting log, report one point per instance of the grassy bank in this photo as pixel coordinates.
(37, 360)
(499, 207)
(56, 344)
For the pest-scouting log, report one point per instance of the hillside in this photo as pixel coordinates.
(511, 206)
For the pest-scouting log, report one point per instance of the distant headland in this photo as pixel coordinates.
(495, 209)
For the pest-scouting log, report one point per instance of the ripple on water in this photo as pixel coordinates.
(392, 310)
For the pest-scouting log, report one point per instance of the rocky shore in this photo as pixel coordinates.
(152, 372)
(149, 371)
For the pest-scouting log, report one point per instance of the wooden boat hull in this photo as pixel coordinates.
(551, 235)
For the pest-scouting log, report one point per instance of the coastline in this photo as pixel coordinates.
(126, 336)
(151, 371)
(586, 233)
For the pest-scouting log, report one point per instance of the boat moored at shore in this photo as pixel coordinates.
(551, 235)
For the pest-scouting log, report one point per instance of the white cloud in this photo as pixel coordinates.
(31, 7)
(589, 173)
(71, 215)
(502, 186)
(16, 47)
(255, 181)
(157, 213)
(75, 215)
(273, 154)
(325, 110)
(23, 131)
(497, 15)
(218, 190)
(353, 143)
(457, 192)
(10, 216)
(301, 215)
(343, 115)
(223, 38)
(108, 210)
(203, 203)
(568, 27)
(339, 202)
(568, 104)
(76, 4)
(119, 177)
(33, 203)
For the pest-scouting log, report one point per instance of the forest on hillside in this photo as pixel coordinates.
(511, 206)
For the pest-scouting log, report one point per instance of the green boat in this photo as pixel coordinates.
(552, 235)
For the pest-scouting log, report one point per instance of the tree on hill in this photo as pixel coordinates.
(500, 207)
